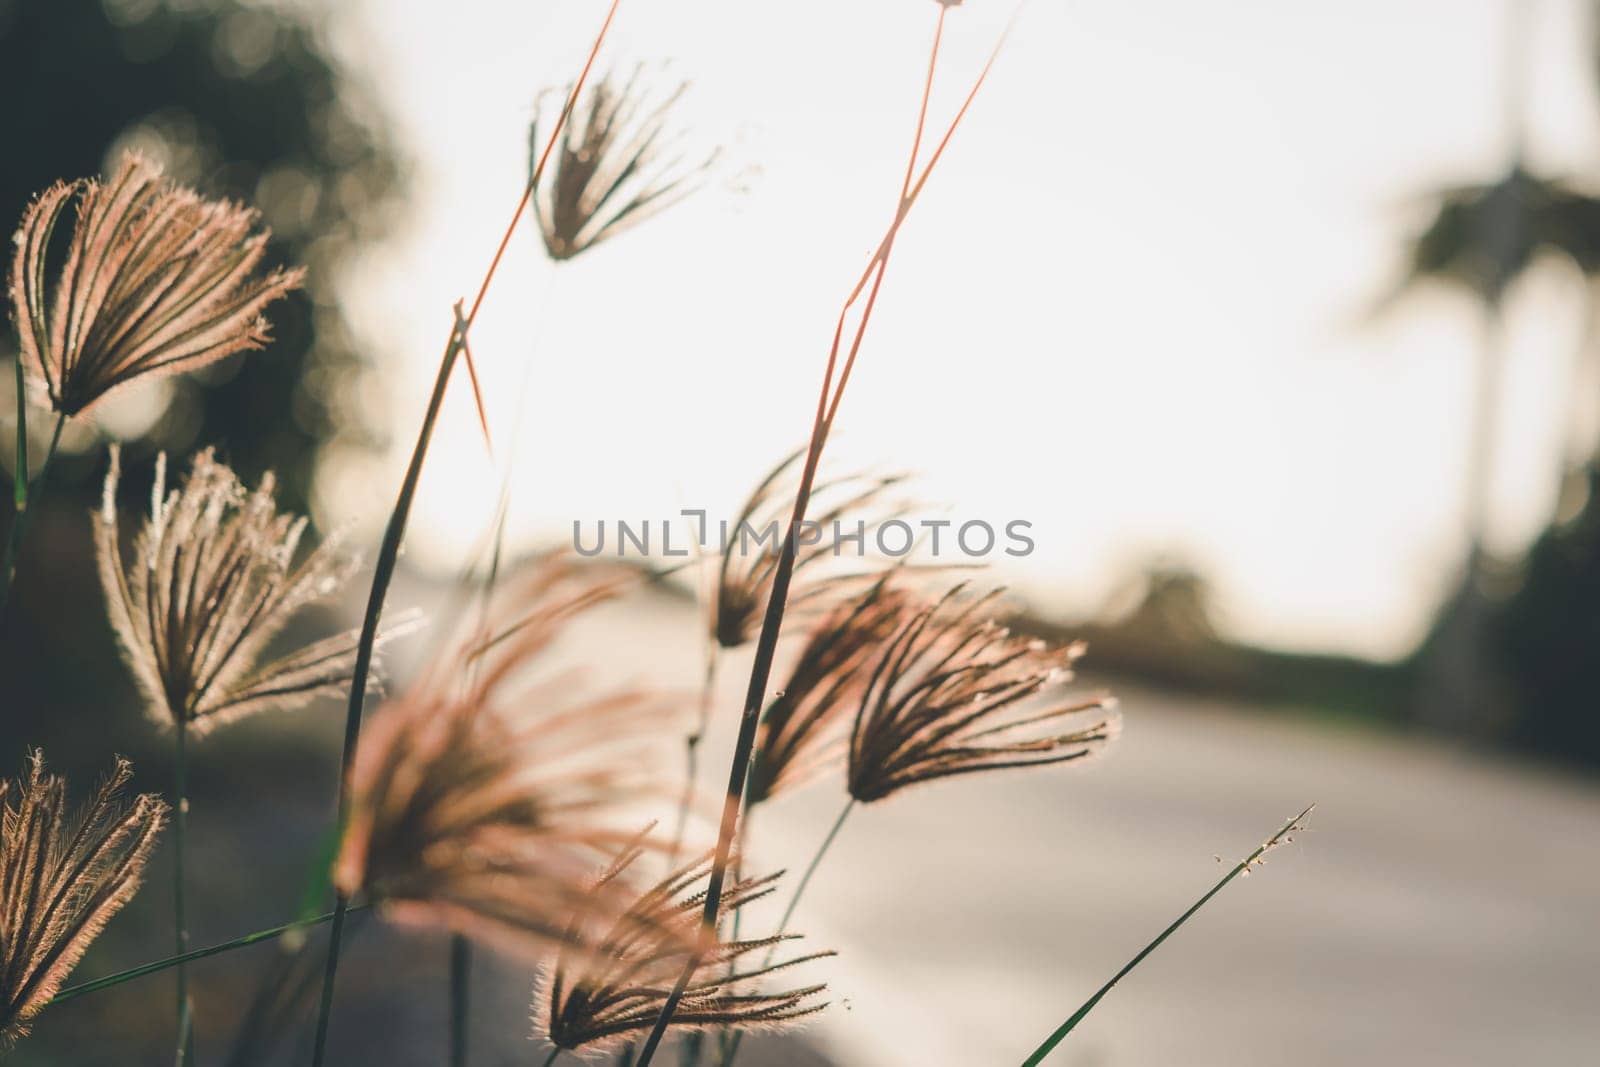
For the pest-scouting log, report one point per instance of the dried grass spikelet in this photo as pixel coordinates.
(618, 163)
(62, 878)
(955, 692)
(156, 280)
(802, 730)
(483, 798)
(749, 566)
(462, 821)
(599, 999)
(212, 582)
(521, 617)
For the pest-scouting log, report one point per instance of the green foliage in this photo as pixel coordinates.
(240, 102)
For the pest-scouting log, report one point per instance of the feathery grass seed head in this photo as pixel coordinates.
(955, 692)
(749, 565)
(212, 582)
(618, 163)
(62, 877)
(464, 821)
(483, 798)
(802, 730)
(600, 999)
(156, 280)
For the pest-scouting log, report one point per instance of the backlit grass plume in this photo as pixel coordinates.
(484, 796)
(857, 503)
(600, 999)
(802, 730)
(465, 821)
(155, 279)
(62, 877)
(619, 162)
(212, 581)
(955, 692)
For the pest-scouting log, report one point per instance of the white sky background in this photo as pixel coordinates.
(1128, 309)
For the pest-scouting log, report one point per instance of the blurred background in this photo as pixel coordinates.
(1277, 322)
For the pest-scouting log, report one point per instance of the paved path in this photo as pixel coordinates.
(1443, 909)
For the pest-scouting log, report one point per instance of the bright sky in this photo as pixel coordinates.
(1129, 308)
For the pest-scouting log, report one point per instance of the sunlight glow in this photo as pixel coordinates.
(1131, 308)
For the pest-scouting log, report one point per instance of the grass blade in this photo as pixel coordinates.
(1281, 837)
(272, 934)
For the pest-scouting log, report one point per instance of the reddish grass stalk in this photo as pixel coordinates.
(389, 551)
(772, 621)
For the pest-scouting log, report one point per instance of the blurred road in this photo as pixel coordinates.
(1442, 909)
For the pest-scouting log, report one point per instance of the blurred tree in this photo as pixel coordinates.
(1547, 634)
(1510, 662)
(1547, 638)
(1169, 601)
(242, 100)
(1482, 238)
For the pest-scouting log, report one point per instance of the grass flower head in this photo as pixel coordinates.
(212, 582)
(618, 163)
(155, 280)
(955, 692)
(62, 877)
(602, 998)
(484, 796)
(802, 730)
(855, 503)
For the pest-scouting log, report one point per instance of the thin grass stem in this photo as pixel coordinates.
(25, 496)
(460, 1013)
(555, 1054)
(730, 1050)
(691, 747)
(180, 822)
(1244, 865)
(727, 1038)
(766, 643)
(389, 550)
(811, 869)
(460, 947)
(388, 556)
(19, 486)
(330, 972)
(185, 1035)
(766, 646)
(141, 971)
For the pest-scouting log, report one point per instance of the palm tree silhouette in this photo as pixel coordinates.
(1482, 238)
